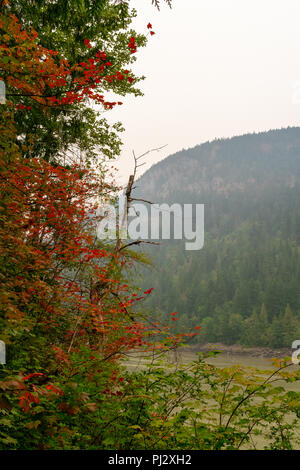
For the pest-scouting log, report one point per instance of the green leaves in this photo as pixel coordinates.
(78, 128)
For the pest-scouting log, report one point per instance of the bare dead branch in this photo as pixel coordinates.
(128, 193)
(142, 200)
(138, 242)
(156, 3)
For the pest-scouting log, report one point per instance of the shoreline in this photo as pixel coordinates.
(237, 349)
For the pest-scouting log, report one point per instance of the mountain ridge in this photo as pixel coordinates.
(248, 272)
(210, 151)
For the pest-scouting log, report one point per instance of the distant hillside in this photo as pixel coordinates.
(225, 165)
(244, 285)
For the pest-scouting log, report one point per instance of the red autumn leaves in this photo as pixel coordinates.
(76, 82)
(34, 374)
(26, 400)
(36, 72)
(132, 45)
(87, 43)
(149, 26)
(46, 206)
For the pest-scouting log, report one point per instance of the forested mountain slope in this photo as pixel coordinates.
(244, 285)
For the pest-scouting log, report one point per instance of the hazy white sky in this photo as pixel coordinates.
(214, 68)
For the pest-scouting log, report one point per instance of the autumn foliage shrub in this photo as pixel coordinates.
(65, 306)
(68, 314)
